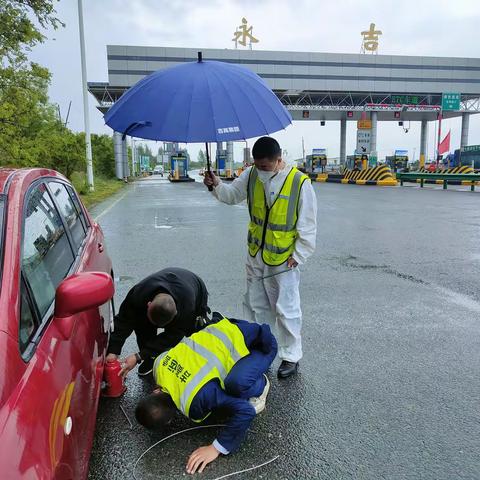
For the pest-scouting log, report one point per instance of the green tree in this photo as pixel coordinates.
(31, 134)
(18, 27)
(29, 127)
(103, 156)
(201, 158)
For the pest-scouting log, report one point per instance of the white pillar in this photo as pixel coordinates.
(465, 125)
(423, 142)
(343, 141)
(117, 152)
(125, 170)
(230, 157)
(86, 118)
(373, 137)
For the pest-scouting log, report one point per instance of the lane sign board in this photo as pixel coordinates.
(450, 101)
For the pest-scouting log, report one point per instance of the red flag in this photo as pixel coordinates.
(444, 147)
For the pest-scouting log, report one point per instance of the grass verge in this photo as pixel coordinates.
(104, 188)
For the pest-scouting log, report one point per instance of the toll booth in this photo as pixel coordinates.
(357, 161)
(397, 162)
(220, 163)
(224, 162)
(315, 163)
(179, 168)
(468, 156)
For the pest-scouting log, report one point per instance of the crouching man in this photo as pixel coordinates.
(221, 367)
(173, 299)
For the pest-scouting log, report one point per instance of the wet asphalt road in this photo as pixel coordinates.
(389, 386)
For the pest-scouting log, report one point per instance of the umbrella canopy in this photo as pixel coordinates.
(204, 101)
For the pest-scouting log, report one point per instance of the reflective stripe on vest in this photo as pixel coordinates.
(204, 356)
(273, 229)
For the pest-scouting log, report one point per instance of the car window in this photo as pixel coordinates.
(69, 213)
(28, 322)
(47, 255)
(76, 201)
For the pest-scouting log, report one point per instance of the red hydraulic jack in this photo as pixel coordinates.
(113, 384)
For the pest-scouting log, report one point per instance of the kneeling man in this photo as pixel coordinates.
(221, 367)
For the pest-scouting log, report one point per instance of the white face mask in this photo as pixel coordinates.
(265, 176)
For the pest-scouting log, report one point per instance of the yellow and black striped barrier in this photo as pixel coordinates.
(380, 175)
(461, 169)
(464, 169)
(446, 179)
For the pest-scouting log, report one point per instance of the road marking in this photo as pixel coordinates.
(109, 207)
(161, 226)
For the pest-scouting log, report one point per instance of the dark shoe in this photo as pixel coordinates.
(146, 367)
(287, 369)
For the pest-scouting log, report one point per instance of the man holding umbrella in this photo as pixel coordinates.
(281, 236)
(212, 101)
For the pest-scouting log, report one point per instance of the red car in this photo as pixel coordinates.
(56, 311)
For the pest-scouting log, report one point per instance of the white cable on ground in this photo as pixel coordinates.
(166, 438)
(247, 469)
(126, 416)
(196, 428)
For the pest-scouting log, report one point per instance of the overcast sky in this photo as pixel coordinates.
(421, 27)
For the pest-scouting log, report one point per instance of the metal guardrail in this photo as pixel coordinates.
(471, 178)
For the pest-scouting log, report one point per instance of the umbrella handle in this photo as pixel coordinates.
(209, 171)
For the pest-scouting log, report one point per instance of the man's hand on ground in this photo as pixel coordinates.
(210, 180)
(291, 263)
(111, 357)
(201, 457)
(127, 365)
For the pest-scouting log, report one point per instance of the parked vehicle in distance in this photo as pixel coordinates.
(158, 170)
(55, 297)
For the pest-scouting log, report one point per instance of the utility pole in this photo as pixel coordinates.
(88, 140)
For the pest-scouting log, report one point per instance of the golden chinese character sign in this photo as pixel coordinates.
(370, 39)
(244, 33)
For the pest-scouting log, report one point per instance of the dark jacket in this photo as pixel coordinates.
(191, 298)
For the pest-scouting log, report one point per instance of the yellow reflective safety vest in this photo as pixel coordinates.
(206, 355)
(273, 230)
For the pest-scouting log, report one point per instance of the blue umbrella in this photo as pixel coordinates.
(204, 101)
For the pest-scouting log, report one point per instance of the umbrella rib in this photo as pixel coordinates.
(233, 79)
(190, 112)
(112, 111)
(262, 84)
(268, 104)
(167, 113)
(220, 81)
(211, 105)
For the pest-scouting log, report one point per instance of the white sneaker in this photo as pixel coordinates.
(259, 403)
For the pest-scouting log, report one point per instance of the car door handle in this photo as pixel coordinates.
(100, 247)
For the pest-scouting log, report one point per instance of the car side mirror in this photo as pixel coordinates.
(79, 293)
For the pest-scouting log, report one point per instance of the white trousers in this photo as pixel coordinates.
(275, 301)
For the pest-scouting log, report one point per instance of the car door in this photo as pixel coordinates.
(88, 340)
(59, 375)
